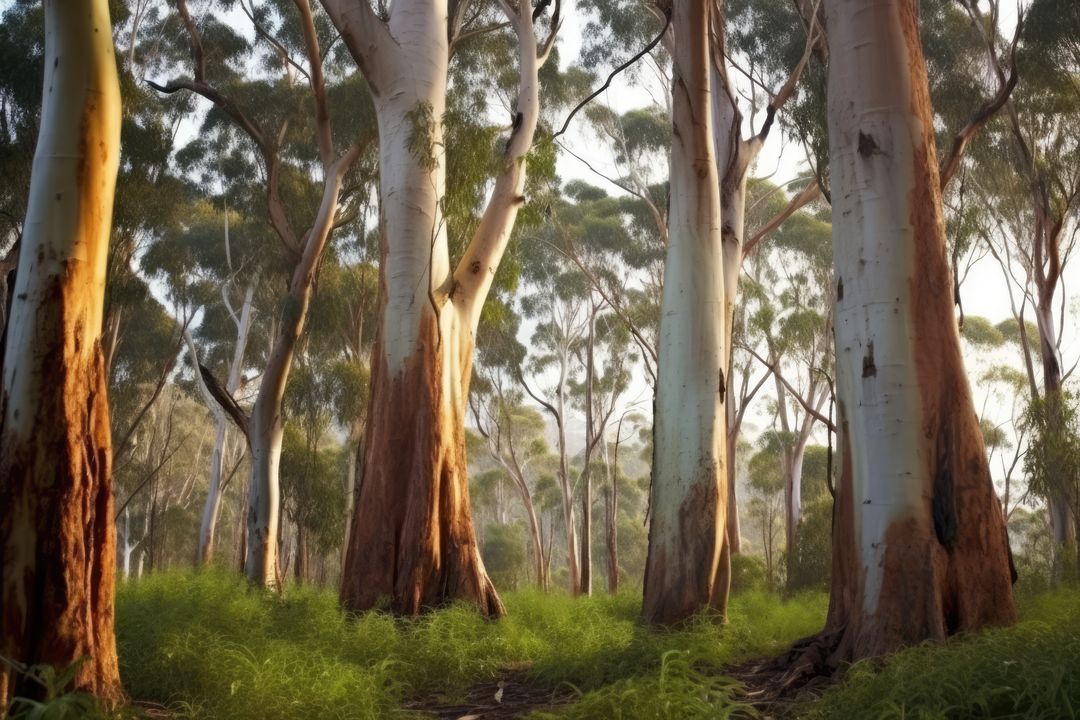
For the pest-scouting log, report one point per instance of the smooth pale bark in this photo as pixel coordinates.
(919, 545)
(265, 429)
(57, 533)
(689, 479)
(212, 506)
(611, 515)
(569, 522)
(412, 545)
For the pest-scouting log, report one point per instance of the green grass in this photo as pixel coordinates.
(1031, 670)
(209, 648)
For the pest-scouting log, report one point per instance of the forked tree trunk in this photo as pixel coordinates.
(919, 545)
(57, 535)
(412, 545)
(689, 481)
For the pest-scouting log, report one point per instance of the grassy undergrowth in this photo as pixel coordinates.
(1031, 671)
(207, 647)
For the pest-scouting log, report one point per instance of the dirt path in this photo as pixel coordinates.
(511, 694)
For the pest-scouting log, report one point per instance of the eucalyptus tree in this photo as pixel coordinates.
(919, 543)
(685, 571)
(414, 492)
(1031, 187)
(57, 536)
(514, 436)
(211, 267)
(605, 377)
(559, 305)
(273, 116)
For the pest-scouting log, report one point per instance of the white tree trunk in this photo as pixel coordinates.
(212, 507)
(689, 478)
(413, 503)
(919, 544)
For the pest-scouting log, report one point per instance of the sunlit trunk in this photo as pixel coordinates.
(919, 546)
(689, 476)
(57, 535)
(413, 545)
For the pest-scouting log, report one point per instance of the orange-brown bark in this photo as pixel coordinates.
(57, 535)
(945, 568)
(412, 546)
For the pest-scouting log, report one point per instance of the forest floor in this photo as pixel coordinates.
(203, 646)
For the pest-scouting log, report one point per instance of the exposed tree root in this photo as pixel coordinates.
(774, 684)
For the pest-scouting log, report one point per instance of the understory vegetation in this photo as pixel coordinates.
(205, 647)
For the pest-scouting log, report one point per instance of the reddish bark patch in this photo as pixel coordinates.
(945, 570)
(57, 573)
(412, 546)
(678, 587)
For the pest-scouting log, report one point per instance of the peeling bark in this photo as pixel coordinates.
(919, 544)
(57, 533)
(412, 545)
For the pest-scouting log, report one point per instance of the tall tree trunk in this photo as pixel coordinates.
(919, 546)
(265, 429)
(733, 529)
(572, 566)
(585, 586)
(1062, 529)
(611, 508)
(57, 535)
(412, 540)
(689, 483)
(352, 474)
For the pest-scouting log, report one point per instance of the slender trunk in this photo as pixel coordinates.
(1062, 529)
(793, 503)
(352, 472)
(585, 586)
(57, 535)
(564, 481)
(919, 546)
(733, 530)
(612, 535)
(689, 486)
(265, 429)
(212, 507)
